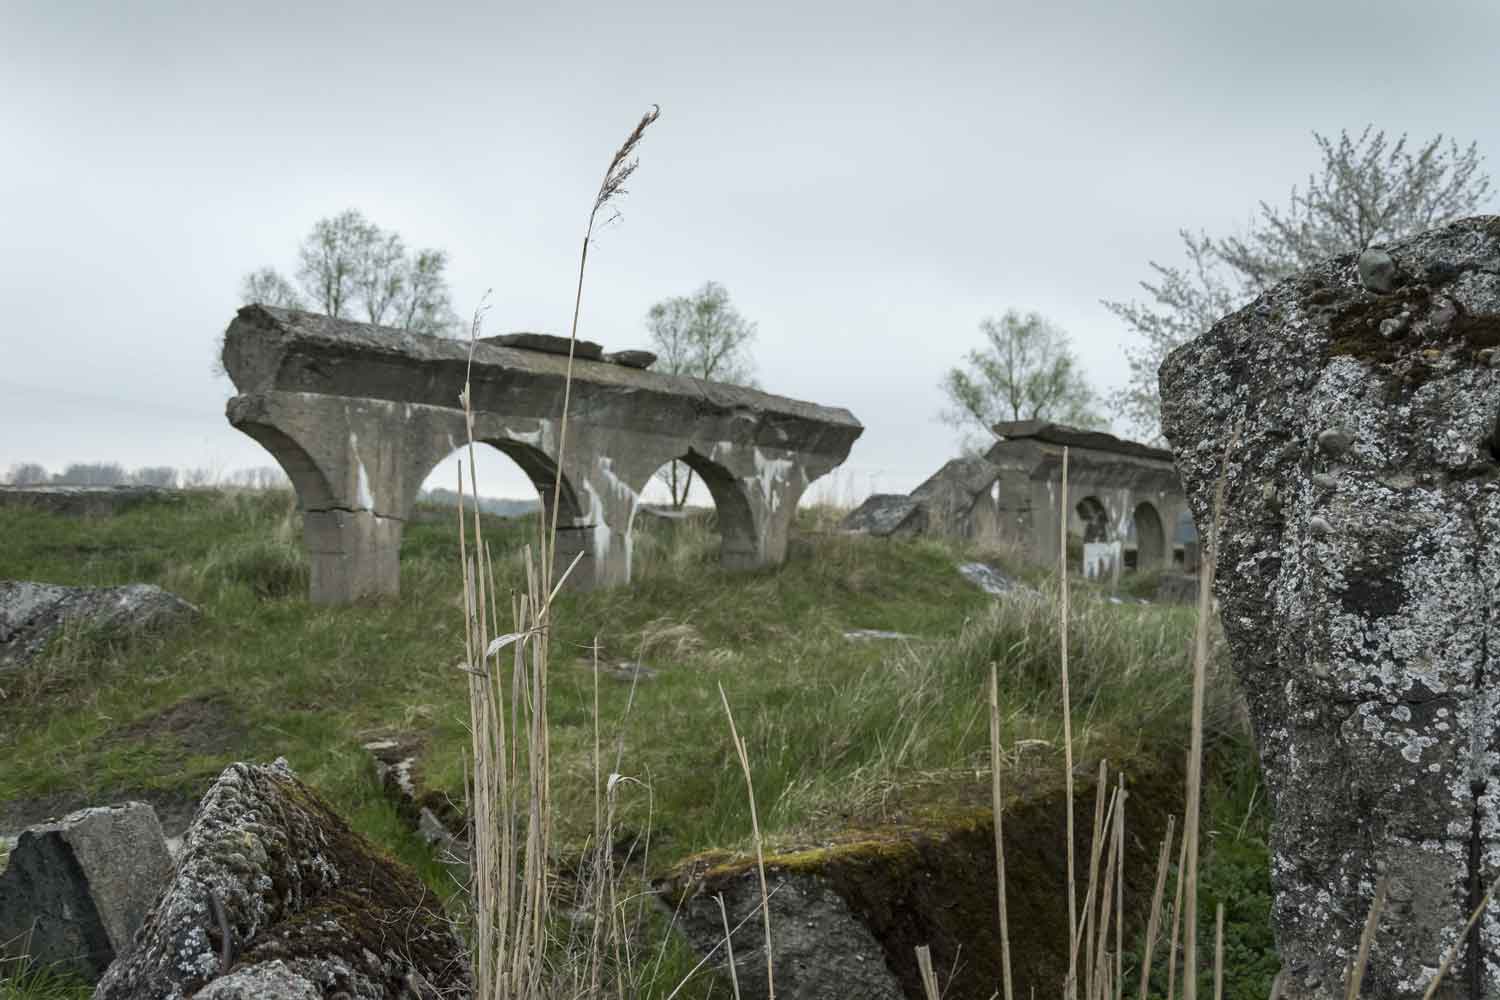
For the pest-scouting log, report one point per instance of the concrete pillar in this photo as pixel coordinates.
(352, 555)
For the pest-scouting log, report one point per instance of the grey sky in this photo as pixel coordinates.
(867, 179)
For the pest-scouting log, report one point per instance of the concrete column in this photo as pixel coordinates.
(353, 555)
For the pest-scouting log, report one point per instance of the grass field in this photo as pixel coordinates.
(839, 732)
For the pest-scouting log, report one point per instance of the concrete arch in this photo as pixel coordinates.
(1151, 551)
(314, 492)
(535, 463)
(739, 535)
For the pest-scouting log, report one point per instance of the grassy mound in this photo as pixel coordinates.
(841, 734)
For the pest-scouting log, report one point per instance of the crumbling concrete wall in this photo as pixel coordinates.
(1357, 576)
(1130, 489)
(1012, 494)
(358, 416)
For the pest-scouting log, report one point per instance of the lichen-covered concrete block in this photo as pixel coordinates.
(1358, 573)
(75, 890)
(273, 891)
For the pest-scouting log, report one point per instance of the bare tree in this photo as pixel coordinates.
(27, 474)
(1368, 191)
(425, 305)
(153, 475)
(91, 474)
(267, 287)
(380, 273)
(703, 336)
(1026, 371)
(350, 266)
(333, 260)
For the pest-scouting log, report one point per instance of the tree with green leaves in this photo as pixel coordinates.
(703, 336)
(1367, 191)
(1025, 371)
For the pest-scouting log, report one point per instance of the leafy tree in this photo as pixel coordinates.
(1368, 191)
(349, 267)
(703, 336)
(1026, 371)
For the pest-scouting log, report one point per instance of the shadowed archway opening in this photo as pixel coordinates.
(1150, 539)
(1098, 551)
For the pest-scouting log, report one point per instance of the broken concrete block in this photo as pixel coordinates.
(76, 889)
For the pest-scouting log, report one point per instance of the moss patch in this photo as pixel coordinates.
(1420, 347)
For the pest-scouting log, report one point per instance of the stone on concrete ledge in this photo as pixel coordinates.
(632, 359)
(75, 890)
(1358, 571)
(32, 613)
(274, 890)
(547, 343)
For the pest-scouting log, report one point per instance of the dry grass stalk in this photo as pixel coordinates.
(1082, 937)
(621, 166)
(1219, 952)
(1101, 786)
(1119, 979)
(1153, 923)
(1176, 922)
(509, 889)
(998, 801)
(734, 975)
(1459, 942)
(1071, 990)
(1195, 747)
(929, 977)
(760, 856)
(1366, 939)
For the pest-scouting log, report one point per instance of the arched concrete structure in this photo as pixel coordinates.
(359, 415)
(1122, 476)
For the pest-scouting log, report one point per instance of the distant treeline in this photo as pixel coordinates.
(114, 474)
(490, 505)
(266, 477)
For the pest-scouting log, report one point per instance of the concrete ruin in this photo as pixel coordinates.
(359, 415)
(1126, 504)
(1351, 411)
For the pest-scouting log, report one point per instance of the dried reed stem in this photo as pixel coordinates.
(760, 857)
(1176, 921)
(929, 977)
(1067, 705)
(734, 975)
(1219, 952)
(1459, 942)
(1366, 939)
(1153, 923)
(997, 799)
(1195, 748)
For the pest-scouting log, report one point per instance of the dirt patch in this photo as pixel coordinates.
(203, 725)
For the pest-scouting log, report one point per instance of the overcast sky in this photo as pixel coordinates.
(868, 180)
